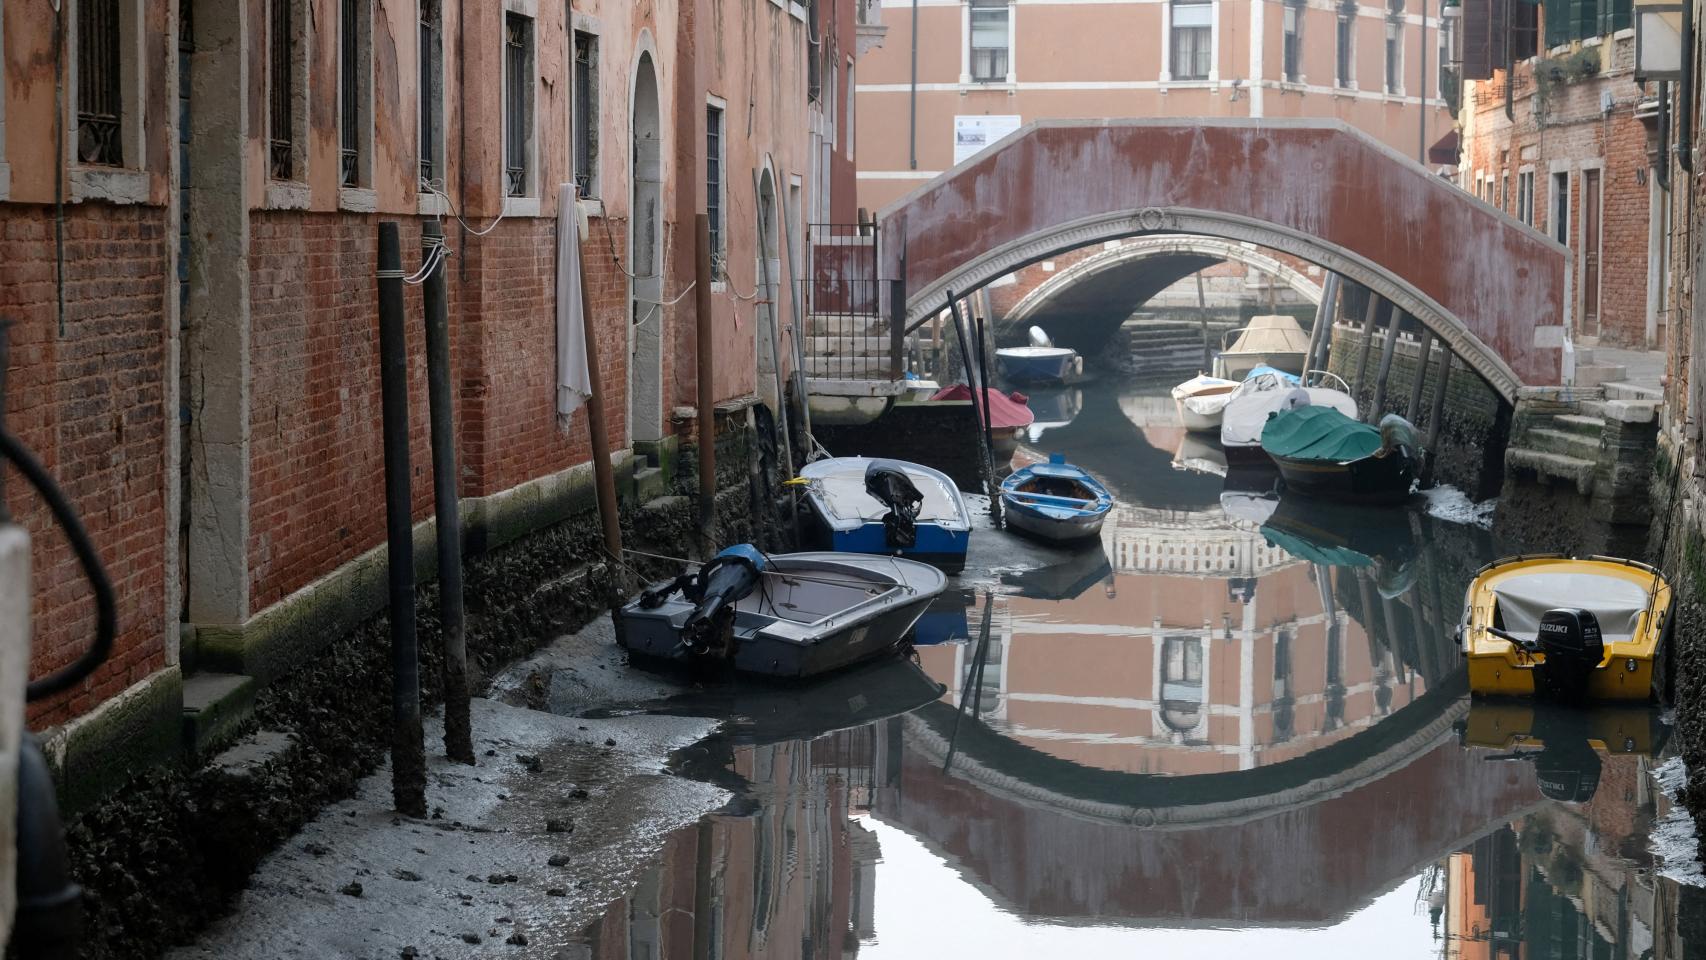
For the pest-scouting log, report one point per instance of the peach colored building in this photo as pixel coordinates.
(980, 67)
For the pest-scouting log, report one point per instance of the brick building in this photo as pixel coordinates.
(1553, 134)
(192, 299)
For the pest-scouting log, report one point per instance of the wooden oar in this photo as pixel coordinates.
(1049, 498)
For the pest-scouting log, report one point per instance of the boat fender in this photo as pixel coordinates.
(720, 584)
(889, 484)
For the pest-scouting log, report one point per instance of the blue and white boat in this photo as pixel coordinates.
(864, 505)
(1055, 501)
(1042, 362)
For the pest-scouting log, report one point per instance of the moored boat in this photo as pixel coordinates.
(861, 505)
(1042, 362)
(1201, 400)
(1323, 453)
(1055, 501)
(1565, 627)
(1274, 339)
(1267, 392)
(791, 615)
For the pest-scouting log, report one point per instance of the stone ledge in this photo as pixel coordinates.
(101, 750)
(215, 706)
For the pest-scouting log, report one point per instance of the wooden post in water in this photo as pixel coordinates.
(1368, 318)
(1321, 335)
(1421, 375)
(1437, 416)
(441, 406)
(408, 756)
(603, 474)
(1202, 320)
(1387, 349)
(707, 395)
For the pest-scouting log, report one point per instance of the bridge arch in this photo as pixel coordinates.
(1153, 248)
(1492, 288)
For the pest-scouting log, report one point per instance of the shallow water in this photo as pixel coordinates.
(1237, 727)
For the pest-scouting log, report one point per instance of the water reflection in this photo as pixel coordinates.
(1238, 728)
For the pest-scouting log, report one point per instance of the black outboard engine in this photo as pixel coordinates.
(1574, 647)
(720, 584)
(1568, 771)
(891, 486)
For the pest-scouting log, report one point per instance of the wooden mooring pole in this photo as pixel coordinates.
(408, 756)
(1368, 316)
(603, 474)
(1421, 375)
(707, 412)
(1436, 417)
(1387, 349)
(458, 732)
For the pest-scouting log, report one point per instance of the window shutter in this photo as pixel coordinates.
(1585, 20)
(1477, 40)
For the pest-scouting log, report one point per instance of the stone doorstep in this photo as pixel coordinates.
(215, 705)
(1553, 466)
(1570, 443)
(1640, 393)
(1587, 426)
(649, 482)
(249, 754)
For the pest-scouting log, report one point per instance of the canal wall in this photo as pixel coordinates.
(1678, 543)
(536, 569)
(1475, 424)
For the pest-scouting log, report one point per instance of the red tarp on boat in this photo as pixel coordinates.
(1005, 409)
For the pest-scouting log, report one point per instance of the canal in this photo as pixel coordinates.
(1237, 726)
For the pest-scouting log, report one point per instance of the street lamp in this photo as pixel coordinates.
(1658, 41)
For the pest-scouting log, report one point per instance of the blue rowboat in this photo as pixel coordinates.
(1055, 501)
(892, 507)
(1041, 365)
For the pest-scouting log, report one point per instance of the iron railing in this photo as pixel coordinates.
(517, 106)
(849, 309)
(349, 93)
(99, 98)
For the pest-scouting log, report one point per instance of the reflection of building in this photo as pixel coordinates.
(1185, 674)
(1191, 542)
(1567, 880)
(795, 879)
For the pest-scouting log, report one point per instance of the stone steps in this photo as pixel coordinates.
(1623, 390)
(1596, 374)
(847, 325)
(835, 346)
(1580, 423)
(1579, 445)
(215, 705)
(848, 368)
(1555, 466)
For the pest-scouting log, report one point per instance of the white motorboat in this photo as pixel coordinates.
(1273, 339)
(1268, 392)
(1202, 400)
(1042, 362)
(865, 505)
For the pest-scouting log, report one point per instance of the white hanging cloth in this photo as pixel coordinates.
(574, 380)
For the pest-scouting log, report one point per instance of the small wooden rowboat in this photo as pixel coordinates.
(1201, 400)
(1565, 628)
(1055, 501)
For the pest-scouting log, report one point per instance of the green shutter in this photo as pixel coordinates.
(1585, 19)
(1557, 16)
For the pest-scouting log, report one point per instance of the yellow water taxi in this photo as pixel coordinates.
(1564, 627)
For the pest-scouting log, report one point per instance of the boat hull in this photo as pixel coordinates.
(943, 527)
(941, 548)
(1369, 480)
(1051, 529)
(1036, 365)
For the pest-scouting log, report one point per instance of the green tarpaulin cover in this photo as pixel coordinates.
(1318, 433)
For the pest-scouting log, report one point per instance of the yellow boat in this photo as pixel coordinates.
(1568, 746)
(1564, 627)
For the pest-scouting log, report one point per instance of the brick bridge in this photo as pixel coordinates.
(1493, 289)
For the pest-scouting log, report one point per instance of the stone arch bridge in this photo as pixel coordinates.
(1493, 289)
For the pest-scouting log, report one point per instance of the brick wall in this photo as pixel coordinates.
(89, 400)
(1570, 126)
(316, 455)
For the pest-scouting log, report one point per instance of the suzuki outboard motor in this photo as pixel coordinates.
(720, 584)
(891, 486)
(1571, 641)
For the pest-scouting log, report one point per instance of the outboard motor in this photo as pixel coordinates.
(1568, 772)
(893, 488)
(720, 584)
(1571, 640)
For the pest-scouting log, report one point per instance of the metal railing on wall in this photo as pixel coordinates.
(849, 306)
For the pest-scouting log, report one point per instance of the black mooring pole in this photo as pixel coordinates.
(994, 488)
(458, 733)
(408, 757)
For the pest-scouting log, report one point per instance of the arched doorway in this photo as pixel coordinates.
(769, 281)
(645, 245)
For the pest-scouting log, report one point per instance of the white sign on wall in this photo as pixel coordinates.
(973, 133)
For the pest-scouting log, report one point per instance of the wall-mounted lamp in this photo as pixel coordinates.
(1658, 41)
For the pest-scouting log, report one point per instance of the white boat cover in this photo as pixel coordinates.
(837, 489)
(1248, 409)
(1271, 333)
(1039, 338)
(1208, 405)
(1616, 602)
(1251, 508)
(1203, 383)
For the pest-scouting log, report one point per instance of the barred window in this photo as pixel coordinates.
(281, 60)
(989, 40)
(714, 186)
(100, 109)
(432, 90)
(518, 105)
(354, 91)
(1193, 39)
(586, 113)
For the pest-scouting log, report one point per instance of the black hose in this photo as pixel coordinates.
(106, 615)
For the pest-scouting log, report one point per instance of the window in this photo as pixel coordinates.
(1394, 54)
(100, 109)
(1561, 207)
(814, 54)
(847, 138)
(354, 92)
(518, 105)
(432, 90)
(1344, 66)
(1525, 197)
(586, 113)
(1193, 39)
(1293, 52)
(714, 186)
(989, 40)
(281, 93)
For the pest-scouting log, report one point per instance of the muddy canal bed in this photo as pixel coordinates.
(1236, 726)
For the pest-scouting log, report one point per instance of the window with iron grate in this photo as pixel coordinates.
(714, 186)
(100, 103)
(431, 57)
(281, 92)
(586, 113)
(354, 91)
(518, 105)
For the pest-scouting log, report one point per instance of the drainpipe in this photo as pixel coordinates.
(1685, 116)
(1422, 92)
(912, 98)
